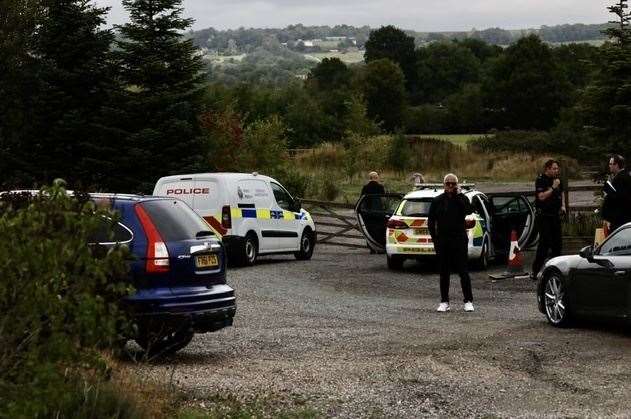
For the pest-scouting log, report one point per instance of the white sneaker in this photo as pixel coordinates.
(468, 306)
(442, 307)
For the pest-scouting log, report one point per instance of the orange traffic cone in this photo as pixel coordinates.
(515, 261)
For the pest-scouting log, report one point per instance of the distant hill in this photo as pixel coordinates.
(325, 38)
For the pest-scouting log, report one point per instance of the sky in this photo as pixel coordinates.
(419, 15)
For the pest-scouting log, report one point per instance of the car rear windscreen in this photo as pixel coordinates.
(174, 219)
(416, 207)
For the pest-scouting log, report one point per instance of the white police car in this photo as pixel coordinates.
(397, 224)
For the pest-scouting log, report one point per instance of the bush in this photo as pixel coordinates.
(517, 142)
(399, 153)
(58, 303)
(295, 182)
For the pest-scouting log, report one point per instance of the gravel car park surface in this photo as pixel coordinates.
(342, 335)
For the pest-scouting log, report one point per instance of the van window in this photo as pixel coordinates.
(252, 191)
(283, 199)
(180, 189)
(207, 196)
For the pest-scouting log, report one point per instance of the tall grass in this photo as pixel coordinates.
(431, 157)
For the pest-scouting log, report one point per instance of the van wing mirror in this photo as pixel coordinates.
(297, 204)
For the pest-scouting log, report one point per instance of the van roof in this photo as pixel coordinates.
(224, 175)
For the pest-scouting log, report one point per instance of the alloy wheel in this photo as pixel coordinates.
(554, 298)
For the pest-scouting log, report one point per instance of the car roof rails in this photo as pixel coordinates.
(464, 186)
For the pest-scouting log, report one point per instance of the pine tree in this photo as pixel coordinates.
(60, 134)
(605, 107)
(163, 76)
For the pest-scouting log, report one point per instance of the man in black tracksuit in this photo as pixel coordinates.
(617, 204)
(446, 224)
(550, 207)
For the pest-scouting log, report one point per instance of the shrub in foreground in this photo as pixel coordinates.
(58, 304)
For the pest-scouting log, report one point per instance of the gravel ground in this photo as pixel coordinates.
(342, 335)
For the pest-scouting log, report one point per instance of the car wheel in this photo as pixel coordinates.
(307, 245)
(482, 263)
(555, 300)
(158, 341)
(250, 250)
(395, 262)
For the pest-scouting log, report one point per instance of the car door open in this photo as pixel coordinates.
(511, 212)
(373, 212)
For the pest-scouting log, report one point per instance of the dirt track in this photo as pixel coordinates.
(344, 336)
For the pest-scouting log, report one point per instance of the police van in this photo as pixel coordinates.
(397, 224)
(252, 213)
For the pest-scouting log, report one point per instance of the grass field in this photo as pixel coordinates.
(347, 57)
(459, 139)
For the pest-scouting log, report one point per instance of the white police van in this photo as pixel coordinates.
(254, 214)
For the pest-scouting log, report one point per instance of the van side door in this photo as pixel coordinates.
(288, 227)
(254, 201)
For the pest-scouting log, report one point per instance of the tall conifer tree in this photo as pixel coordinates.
(605, 107)
(163, 76)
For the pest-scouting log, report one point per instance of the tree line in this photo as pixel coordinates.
(117, 112)
(245, 40)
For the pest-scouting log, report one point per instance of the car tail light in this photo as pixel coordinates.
(226, 218)
(157, 253)
(397, 224)
(469, 224)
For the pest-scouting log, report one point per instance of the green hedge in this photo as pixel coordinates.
(58, 306)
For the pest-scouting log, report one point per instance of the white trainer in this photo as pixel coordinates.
(468, 306)
(443, 307)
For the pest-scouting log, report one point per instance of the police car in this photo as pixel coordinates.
(252, 213)
(397, 225)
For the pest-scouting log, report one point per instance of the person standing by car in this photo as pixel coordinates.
(616, 208)
(373, 187)
(550, 206)
(446, 224)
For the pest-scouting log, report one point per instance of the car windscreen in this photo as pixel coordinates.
(174, 219)
(416, 207)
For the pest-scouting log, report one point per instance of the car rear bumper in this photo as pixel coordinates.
(208, 309)
(425, 250)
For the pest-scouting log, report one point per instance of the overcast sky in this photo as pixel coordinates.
(420, 15)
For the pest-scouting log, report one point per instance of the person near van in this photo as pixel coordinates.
(550, 206)
(616, 209)
(446, 224)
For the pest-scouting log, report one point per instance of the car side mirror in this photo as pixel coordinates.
(587, 252)
(297, 205)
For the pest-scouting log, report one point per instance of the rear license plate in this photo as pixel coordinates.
(417, 250)
(421, 232)
(206, 261)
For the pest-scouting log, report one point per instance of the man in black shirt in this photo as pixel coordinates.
(373, 187)
(550, 207)
(446, 225)
(374, 203)
(617, 204)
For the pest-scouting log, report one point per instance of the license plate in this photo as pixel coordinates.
(206, 261)
(421, 231)
(417, 250)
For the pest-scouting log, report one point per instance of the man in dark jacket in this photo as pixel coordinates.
(550, 206)
(446, 224)
(617, 190)
(373, 187)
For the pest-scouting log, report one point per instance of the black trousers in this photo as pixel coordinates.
(453, 257)
(549, 240)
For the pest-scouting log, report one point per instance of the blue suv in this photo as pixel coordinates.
(178, 270)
